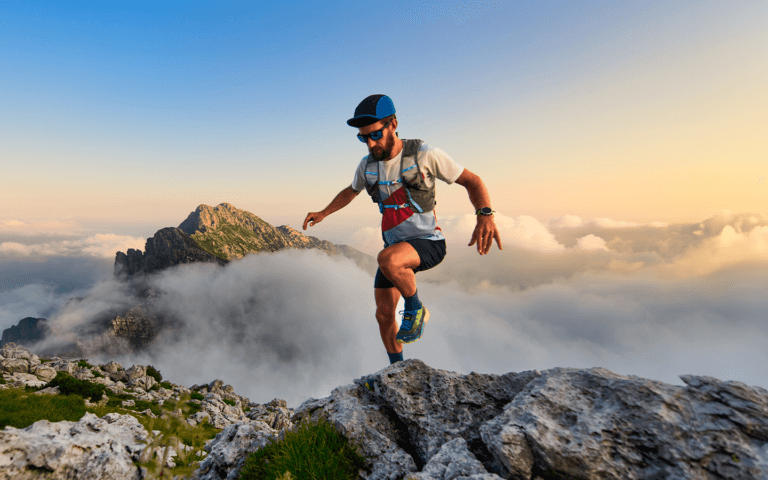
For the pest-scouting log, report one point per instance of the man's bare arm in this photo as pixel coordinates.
(342, 200)
(486, 230)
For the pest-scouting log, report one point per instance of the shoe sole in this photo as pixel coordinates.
(426, 319)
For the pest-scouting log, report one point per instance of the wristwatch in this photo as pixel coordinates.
(486, 211)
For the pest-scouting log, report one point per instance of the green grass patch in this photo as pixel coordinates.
(313, 449)
(84, 364)
(197, 396)
(69, 385)
(45, 360)
(173, 433)
(2, 380)
(20, 409)
(142, 405)
(97, 374)
(166, 385)
(231, 403)
(154, 388)
(191, 408)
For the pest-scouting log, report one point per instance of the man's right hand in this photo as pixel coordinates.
(313, 218)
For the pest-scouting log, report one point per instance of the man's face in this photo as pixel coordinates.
(381, 149)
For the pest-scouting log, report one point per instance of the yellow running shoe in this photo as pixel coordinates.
(412, 325)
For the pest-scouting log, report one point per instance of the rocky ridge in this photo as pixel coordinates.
(415, 422)
(29, 330)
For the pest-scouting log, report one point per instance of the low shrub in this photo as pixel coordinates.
(154, 373)
(84, 364)
(166, 385)
(313, 449)
(69, 385)
(231, 403)
(142, 405)
(197, 396)
(191, 408)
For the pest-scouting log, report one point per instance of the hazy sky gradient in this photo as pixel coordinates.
(136, 113)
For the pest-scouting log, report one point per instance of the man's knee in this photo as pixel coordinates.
(385, 316)
(384, 258)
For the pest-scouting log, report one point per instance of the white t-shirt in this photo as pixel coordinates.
(405, 224)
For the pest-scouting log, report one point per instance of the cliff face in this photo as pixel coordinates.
(169, 247)
(230, 233)
(28, 331)
(220, 234)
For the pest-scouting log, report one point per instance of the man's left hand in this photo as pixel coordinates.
(484, 233)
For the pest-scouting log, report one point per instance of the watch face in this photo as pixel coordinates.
(486, 211)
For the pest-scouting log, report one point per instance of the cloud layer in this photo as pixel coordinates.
(651, 300)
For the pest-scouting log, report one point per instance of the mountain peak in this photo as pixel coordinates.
(224, 233)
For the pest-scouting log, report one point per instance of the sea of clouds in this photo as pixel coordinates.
(654, 300)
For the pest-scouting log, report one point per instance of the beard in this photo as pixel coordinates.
(385, 151)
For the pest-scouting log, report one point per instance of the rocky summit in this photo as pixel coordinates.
(412, 421)
(220, 234)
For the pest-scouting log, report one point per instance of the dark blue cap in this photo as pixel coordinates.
(371, 110)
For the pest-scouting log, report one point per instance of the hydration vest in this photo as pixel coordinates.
(420, 197)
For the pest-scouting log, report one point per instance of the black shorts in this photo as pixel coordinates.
(431, 253)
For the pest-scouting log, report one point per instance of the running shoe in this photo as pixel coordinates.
(412, 325)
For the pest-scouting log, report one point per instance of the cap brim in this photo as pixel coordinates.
(362, 121)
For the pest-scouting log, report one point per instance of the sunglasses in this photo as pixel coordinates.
(374, 135)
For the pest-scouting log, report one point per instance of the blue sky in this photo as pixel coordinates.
(139, 112)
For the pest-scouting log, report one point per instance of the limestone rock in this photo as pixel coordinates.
(112, 367)
(93, 448)
(136, 326)
(48, 391)
(597, 424)
(12, 365)
(418, 409)
(229, 450)
(44, 372)
(454, 461)
(136, 371)
(119, 376)
(381, 437)
(11, 350)
(276, 414)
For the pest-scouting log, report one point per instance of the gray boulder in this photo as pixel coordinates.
(229, 450)
(91, 449)
(454, 461)
(597, 424)
(413, 410)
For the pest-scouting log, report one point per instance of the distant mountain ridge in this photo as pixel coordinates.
(220, 234)
(208, 235)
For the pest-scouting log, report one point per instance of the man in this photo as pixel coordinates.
(400, 177)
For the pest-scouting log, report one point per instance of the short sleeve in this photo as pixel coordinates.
(358, 182)
(440, 164)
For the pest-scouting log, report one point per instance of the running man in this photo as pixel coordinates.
(399, 175)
